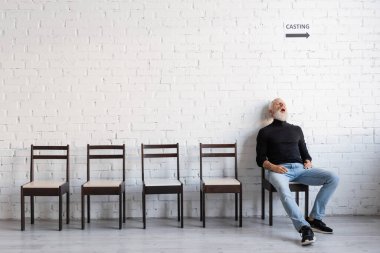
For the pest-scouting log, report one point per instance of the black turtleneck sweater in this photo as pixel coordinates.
(281, 142)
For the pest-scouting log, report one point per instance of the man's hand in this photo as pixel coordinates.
(275, 168)
(278, 169)
(307, 164)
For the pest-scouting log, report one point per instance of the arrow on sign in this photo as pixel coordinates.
(295, 35)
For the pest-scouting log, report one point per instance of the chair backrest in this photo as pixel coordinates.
(34, 156)
(212, 154)
(262, 174)
(105, 156)
(162, 147)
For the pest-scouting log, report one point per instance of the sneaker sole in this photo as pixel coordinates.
(308, 242)
(320, 231)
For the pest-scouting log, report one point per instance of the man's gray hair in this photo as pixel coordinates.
(270, 105)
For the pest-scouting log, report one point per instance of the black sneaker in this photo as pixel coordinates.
(307, 236)
(319, 226)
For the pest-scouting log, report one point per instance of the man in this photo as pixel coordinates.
(281, 150)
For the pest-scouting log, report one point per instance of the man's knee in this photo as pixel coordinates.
(333, 178)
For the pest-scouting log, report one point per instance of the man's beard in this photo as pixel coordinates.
(283, 116)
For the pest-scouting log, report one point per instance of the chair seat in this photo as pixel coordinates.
(220, 181)
(162, 182)
(294, 183)
(44, 184)
(103, 183)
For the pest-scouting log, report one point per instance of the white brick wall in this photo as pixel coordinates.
(188, 71)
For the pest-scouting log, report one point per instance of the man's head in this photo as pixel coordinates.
(278, 110)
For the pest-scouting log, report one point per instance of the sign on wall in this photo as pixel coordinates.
(297, 30)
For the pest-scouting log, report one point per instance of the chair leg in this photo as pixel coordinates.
(236, 206)
(298, 198)
(182, 208)
(67, 207)
(178, 207)
(60, 212)
(22, 210)
(124, 206)
(200, 205)
(31, 209)
(88, 209)
(306, 203)
(262, 203)
(270, 208)
(143, 209)
(241, 208)
(120, 210)
(82, 209)
(203, 208)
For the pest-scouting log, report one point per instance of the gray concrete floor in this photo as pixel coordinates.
(351, 234)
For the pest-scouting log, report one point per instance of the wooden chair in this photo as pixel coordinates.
(294, 187)
(220, 185)
(46, 187)
(164, 185)
(104, 187)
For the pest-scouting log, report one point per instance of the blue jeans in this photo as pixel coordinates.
(314, 177)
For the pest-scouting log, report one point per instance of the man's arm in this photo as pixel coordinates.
(302, 147)
(306, 158)
(261, 149)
